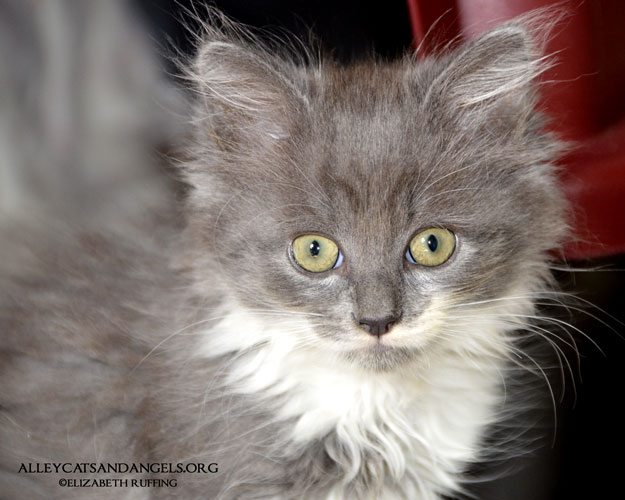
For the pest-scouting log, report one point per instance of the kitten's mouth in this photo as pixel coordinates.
(379, 347)
(380, 356)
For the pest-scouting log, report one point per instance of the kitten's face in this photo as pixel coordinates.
(367, 160)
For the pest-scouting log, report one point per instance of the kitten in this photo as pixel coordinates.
(335, 320)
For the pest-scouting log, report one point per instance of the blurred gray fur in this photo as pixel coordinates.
(84, 104)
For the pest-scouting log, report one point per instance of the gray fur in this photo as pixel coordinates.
(101, 331)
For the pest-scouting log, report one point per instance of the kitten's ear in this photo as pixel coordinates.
(496, 70)
(247, 95)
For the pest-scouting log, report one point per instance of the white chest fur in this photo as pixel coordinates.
(422, 423)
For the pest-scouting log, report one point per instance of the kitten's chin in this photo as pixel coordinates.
(381, 357)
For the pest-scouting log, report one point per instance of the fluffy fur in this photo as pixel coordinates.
(208, 343)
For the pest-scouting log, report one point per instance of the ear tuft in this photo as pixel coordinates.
(248, 94)
(503, 63)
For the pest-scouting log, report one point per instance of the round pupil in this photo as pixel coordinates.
(432, 243)
(314, 248)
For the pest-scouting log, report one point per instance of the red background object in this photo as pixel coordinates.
(584, 93)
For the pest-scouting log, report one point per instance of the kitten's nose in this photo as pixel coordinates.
(377, 327)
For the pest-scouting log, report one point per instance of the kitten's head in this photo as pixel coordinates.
(383, 203)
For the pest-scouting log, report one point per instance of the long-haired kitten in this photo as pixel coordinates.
(362, 248)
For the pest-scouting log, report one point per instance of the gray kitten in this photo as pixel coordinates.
(336, 319)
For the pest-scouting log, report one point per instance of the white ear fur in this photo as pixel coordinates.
(232, 75)
(499, 64)
(247, 97)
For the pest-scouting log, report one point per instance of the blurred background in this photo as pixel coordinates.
(91, 106)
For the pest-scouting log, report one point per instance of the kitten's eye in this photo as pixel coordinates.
(431, 247)
(315, 253)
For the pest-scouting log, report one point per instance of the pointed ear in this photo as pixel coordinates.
(248, 98)
(493, 72)
(499, 63)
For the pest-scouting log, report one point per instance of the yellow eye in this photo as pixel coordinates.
(431, 247)
(315, 253)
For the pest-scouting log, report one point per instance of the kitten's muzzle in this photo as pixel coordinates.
(378, 327)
